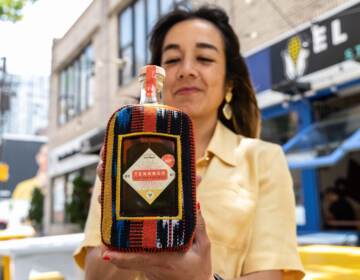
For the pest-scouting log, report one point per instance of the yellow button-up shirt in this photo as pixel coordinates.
(247, 201)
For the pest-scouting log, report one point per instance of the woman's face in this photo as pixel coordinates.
(194, 59)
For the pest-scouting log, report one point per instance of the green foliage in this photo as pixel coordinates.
(36, 208)
(78, 208)
(11, 10)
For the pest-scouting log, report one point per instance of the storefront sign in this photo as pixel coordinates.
(324, 44)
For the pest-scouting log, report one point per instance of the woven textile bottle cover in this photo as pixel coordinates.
(148, 191)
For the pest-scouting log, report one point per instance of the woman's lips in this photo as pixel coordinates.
(186, 90)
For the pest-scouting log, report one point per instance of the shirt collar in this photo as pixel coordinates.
(223, 144)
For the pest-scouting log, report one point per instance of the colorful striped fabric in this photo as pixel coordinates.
(157, 213)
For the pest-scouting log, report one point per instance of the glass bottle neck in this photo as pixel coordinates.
(148, 94)
(151, 84)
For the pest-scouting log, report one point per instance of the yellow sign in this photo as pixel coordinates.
(4, 172)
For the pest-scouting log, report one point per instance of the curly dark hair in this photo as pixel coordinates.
(246, 115)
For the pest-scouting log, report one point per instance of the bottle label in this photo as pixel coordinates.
(149, 176)
(150, 81)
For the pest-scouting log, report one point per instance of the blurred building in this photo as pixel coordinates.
(28, 112)
(23, 122)
(308, 84)
(24, 103)
(95, 65)
(8, 88)
(18, 152)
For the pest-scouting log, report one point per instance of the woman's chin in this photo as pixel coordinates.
(191, 108)
(192, 111)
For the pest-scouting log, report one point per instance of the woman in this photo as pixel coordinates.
(246, 225)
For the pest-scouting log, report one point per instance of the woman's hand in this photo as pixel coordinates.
(100, 166)
(193, 264)
(96, 268)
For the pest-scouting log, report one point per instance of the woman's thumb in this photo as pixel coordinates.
(200, 229)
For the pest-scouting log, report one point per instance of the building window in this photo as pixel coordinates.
(62, 192)
(75, 95)
(135, 25)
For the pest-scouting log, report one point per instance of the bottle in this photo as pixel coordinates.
(148, 191)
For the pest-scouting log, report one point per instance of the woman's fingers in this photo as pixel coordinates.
(102, 151)
(198, 180)
(131, 261)
(99, 168)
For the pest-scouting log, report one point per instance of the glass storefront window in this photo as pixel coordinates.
(325, 137)
(280, 129)
(336, 136)
(58, 200)
(340, 194)
(299, 197)
(62, 192)
(336, 107)
(70, 185)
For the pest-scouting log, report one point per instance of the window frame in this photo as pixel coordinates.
(74, 90)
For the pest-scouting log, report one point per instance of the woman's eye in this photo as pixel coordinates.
(205, 59)
(171, 61)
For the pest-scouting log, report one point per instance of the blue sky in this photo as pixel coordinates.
(27, 43)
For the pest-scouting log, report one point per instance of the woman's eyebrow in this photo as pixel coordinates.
(171, 47)
(201, 45)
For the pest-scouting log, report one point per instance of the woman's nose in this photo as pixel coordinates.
(187, 69)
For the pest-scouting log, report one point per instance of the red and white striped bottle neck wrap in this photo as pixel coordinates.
(151, 80)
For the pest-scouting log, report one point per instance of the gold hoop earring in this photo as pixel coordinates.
(226, 110)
